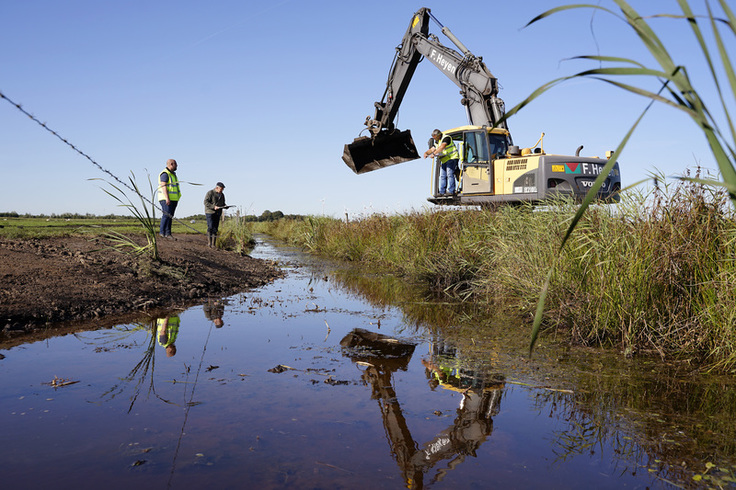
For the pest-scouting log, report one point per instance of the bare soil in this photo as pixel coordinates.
(49, 282)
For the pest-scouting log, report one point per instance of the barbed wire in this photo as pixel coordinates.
(73, 147)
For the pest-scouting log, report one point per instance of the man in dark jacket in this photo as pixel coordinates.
(214, 203)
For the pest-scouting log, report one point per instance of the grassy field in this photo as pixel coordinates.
(234, 235)
(39, 227)
(655, 273)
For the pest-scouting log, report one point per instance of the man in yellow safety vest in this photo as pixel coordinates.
(169, 193)
(449, 157)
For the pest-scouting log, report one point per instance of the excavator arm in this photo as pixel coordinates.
(479, 89)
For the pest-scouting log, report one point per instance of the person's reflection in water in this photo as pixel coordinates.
(481, 398)
(214, 310)
(166, 331)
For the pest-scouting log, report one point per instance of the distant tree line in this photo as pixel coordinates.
(265, 216)
(13, 214)
(272, 216)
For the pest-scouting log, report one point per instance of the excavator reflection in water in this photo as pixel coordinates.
(381, 356)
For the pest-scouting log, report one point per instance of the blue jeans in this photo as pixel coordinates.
(167, 216)
(447, 176)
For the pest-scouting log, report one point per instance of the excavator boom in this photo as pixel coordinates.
(387, 145)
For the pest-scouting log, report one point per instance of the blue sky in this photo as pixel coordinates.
(264, 95)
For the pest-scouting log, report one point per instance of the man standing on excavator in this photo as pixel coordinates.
(449, 157)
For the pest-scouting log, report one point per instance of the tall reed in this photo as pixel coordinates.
(655, 273)
(676, 91)
(145, 216)
(235, 234)
(655, 276)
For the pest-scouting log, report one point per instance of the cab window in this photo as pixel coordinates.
(498, 145)
(475, 149)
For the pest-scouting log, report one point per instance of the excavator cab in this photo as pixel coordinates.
(386, 148)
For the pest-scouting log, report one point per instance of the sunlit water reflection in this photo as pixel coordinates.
(303, 384)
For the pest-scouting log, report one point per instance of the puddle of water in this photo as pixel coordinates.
(308, 384)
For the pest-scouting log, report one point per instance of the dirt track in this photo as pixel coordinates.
(51, 280)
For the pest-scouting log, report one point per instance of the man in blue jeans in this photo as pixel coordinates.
(169, 193)
(449, 158)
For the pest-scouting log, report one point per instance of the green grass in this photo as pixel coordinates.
(40, 227)
(711, 33)
(655, 273)
(235, 234)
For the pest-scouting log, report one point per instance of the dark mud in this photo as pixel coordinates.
(49, 281)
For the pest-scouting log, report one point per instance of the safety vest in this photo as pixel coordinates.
(172, 186)
(449, 153)
(171, 330)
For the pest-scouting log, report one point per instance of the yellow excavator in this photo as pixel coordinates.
(491, 168)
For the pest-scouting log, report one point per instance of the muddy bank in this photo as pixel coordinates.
(51, 280)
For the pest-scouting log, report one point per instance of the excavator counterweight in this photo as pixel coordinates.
(366, 154)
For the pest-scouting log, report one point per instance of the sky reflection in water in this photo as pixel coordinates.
(268, 397)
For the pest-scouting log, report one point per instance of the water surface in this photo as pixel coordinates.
(331, 379)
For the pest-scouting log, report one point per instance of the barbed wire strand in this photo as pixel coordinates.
(73, 147)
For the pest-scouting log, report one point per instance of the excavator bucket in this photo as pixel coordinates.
(385, 149)
(362, 345)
